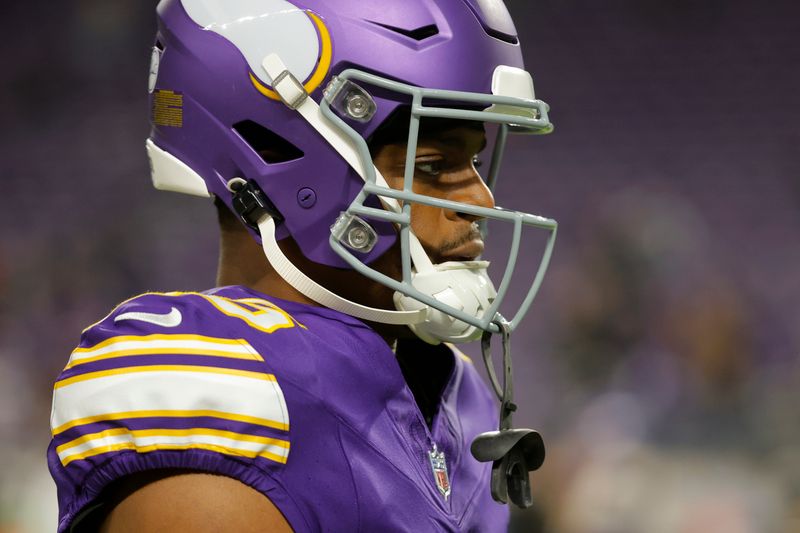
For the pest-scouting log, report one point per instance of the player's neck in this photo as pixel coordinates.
(242, 262)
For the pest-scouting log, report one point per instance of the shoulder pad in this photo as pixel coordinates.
(188, 312)
(167, 372)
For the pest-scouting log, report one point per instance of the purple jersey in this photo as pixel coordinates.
(306, 405)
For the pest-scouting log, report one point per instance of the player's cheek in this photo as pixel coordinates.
(428, 223)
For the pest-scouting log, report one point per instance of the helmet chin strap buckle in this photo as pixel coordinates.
(250, 203)
(514, 452)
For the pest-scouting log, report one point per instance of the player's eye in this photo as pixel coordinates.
(431, 167)
(477, 162)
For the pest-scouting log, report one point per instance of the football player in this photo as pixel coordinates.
(317, 387)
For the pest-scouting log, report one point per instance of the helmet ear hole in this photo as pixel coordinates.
(270, 146)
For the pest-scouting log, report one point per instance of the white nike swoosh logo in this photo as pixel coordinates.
(167, 320)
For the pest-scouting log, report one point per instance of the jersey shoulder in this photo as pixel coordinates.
(169, 380)
(213, 313)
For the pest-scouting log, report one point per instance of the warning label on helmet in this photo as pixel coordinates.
(167, 108)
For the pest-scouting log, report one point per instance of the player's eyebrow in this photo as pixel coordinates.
(459, 142)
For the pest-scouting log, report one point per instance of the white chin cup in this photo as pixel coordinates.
(464, 286)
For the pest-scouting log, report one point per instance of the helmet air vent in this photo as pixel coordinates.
(510, 39)
(270, 146)
(419, 34)
(495, 19)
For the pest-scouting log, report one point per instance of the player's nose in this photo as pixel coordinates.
(473, 192)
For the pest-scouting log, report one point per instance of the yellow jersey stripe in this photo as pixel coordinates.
(170, 414)
(91, 436)
(154, 447)
(166, 351)
(138, 433)
(158, 337)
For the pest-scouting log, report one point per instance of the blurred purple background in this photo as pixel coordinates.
(661, 360)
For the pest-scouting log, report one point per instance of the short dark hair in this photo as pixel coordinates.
(395, 128)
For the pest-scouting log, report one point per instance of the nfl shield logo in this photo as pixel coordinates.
(439, 467)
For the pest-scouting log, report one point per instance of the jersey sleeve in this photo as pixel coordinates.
(164, 381)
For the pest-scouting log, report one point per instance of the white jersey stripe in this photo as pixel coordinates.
(245, 395)
(165, 344)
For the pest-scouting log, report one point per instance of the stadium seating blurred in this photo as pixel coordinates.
(662, 359)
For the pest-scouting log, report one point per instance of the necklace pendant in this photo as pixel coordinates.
(439, 467)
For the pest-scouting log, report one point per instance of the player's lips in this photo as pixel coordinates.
(469, 251)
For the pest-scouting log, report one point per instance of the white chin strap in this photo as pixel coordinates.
(313, 290)
(463, 286)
